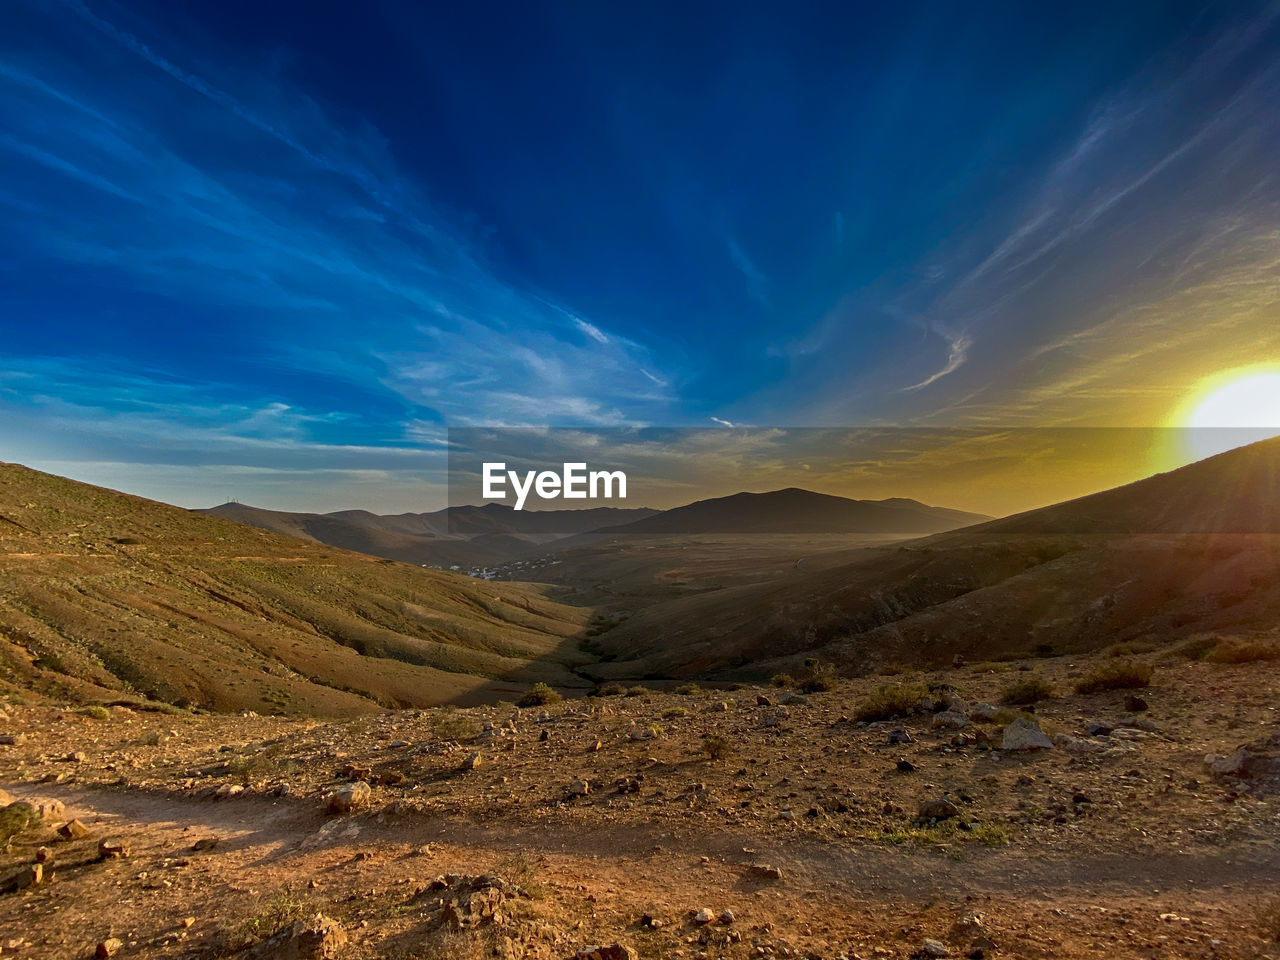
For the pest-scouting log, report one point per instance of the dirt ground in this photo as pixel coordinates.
(1115, 845)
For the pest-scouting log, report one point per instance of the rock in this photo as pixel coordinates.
(900, 736)
(348, 798)
(228, 790)
(472, 762)
(981, 947)
(726, 916)
(320, 938)
(766, 871)
(949, 719)
(544, 736)
(78, 756)
(794, 699)
(1134, 703)
(205, 843)
(73, 830)
(703, 916)
(1257, 760)
(12, 739)
(579, 788)
(955, 702)
(906, 766)
(1098, 729)
(763, 701)
(986, 712)
(6, 798)
(615, 951)
(109, 947)
(1024, 734)
(934, 948)
(44, 855)
(50, 809)
(1078, 746)
(110, 849)
(941, 809)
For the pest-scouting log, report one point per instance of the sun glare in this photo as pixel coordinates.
(1232, 409)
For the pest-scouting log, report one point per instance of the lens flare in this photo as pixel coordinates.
(1232, 409)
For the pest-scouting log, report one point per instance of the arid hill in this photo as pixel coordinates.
(1154, 561)
(107, 595)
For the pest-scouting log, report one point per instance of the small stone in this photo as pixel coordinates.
(934, 948)
(942, 809)
(986, 712)
(348, 798)
(906, 766)
(579, 788)
(31, 875)
(13, 739)
(78, 757)
(766, 871)
(205, 843)
(472, 762)
(1134, 703)
(1098, 729)
(109, 849)
(109, 947)
(544, 736)
(703, 916)
(948, 719)
(1024, 734)
(900, 736)
(228, 790)
(726, 916)
(44, 855)
(73, 830)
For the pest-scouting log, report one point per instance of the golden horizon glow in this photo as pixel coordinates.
(1231, 409)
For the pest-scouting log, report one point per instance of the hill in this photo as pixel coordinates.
(107, 595)
(796, 511)
(467, 537)
(1165, 558)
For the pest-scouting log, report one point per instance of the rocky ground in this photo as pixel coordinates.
(755, 822)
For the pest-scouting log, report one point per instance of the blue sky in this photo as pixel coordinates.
(272, 251)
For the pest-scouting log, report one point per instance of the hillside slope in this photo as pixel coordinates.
(1154, 561)
(108, 595)
(796, 511)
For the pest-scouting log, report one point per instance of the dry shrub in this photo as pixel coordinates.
(539, 695)
(1031, 690)
(1117, 674)
(891, 700)
(1241, 650)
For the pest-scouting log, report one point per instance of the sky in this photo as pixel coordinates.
(273, 252)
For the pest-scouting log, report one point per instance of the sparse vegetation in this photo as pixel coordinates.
(95, 712)
(1024, 692)
(891, 700)
(783, 680)
(1116, 674)
(688, 690)
(671, 713)
(611, 689)
(456, 726)
(539, 695)
(637, 691)
(282, 909)
(15, 819)
(819, 677)
(717, 747)
(1236, 650)
(520, 869)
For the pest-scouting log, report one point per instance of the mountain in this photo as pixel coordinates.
(105, 595)
(1187, 552)
(799, 511)
(467, 537)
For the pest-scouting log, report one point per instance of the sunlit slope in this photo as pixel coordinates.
(104, 594)
(1151, 562)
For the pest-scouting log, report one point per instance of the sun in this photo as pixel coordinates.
(1231, 409)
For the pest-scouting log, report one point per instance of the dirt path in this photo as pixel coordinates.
(832, 900)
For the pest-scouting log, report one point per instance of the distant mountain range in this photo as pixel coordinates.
(470, 537)
(1178, 554)
(801, 511)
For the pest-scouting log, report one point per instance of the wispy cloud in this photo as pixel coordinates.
(758, 282)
